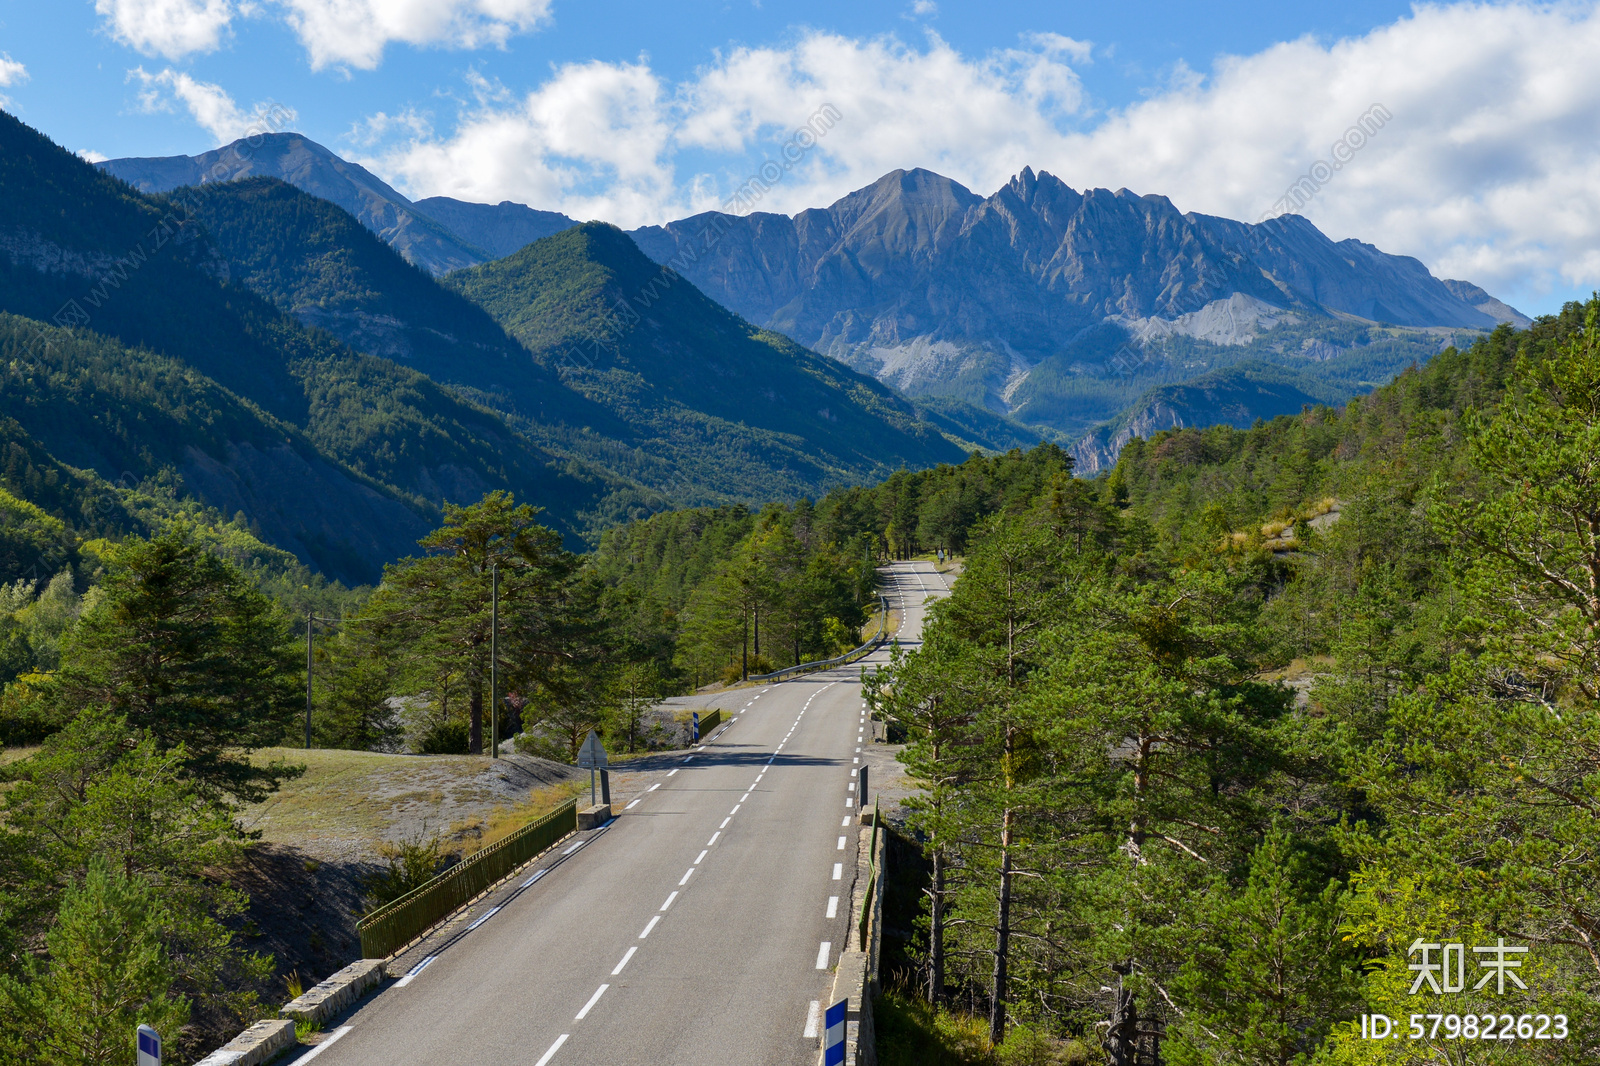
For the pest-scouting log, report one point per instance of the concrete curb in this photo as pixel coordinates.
(593, 817)
(319, 1004)
(255, 1045)
(856, 978)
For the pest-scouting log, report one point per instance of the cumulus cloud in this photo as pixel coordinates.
(603, 139)
(171, 28)
(11, 73)
(339, 33)
(209, 105)
(1489, 169)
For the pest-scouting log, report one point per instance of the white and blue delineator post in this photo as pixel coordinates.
(833, 1038)
(149, 1040)
(696, 727)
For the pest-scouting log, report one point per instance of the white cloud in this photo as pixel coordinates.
(354, 33)
(339, 33)
(11, 73)
(171, 28)
(89, 155)
(209, 105)
(602, 139)
(1489, 170)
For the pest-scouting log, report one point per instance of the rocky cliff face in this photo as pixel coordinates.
(939, 291)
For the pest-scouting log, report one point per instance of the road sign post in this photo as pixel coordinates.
(149, 1045)
(695, 727)
(592, 757)
(864, 801)
(833, 1038)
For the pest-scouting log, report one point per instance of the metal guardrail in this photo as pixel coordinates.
(709, 720)
(397, 923)
(838, 660)
(872, 881)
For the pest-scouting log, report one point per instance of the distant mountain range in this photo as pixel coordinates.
(1058, 312)
(259, 349)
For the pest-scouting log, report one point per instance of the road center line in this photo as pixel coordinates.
(548, 1055)
(651, 924)
(657, 785)
(624, 961)
(596, 999)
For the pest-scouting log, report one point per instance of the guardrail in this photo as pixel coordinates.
(866, 924)
(396, 924)
(838, 660)
(709, 720)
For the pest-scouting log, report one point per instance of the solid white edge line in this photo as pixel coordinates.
(833, 906)
(625, 959)
(412, 973)
(657, 785)
(631, 806)
(333, 1038)
(575, 847)
(548, 1055)
(813, 1016)
(651, 924)
(490, 913)
(822, 956)
(536, 875)
(596, 999)
(670, 898)
(671, 772)
(686, 877)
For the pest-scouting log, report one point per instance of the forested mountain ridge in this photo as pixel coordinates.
(1058, 308)
(695, 384)
(307, 165)
(79, 247)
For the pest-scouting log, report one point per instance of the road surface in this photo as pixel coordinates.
(701, 926)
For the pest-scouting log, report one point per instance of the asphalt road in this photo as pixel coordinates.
(701, 926)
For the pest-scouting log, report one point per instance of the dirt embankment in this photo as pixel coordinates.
(323, 834)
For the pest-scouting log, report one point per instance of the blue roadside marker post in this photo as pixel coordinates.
(696, 727)
(833, 1039)
(149, 1042)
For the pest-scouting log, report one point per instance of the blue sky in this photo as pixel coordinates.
(1487, 168)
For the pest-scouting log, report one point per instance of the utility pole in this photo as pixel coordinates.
(494, 661)
(309, 619)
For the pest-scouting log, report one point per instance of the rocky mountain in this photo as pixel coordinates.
(1237, 395)
(1057, 306)
(307, 165)
(499, 229)
(1040, 304)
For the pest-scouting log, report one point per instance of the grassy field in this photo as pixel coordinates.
(351, 804)
(11, 755)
